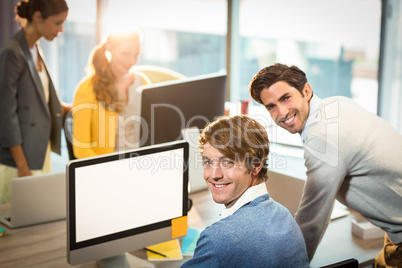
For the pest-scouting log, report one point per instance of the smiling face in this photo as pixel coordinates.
(124, 55)
(226, 179)
(287, 106)
(50, 27)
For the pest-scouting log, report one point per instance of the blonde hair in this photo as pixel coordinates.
(103, 79)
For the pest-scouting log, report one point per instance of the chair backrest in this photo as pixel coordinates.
(68, 134)
(158, 74)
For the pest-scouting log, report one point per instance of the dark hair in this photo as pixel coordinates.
(268, 76)
(239, 138)
(26, 9)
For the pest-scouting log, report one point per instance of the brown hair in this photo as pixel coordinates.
(103, 79)
(239, 138)
(26, 9)
(268, 76)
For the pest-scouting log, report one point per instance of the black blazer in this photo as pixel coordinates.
(25, 117)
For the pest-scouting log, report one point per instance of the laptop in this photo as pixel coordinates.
(36, 199)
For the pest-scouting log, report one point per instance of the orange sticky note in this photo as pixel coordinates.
(179, 227)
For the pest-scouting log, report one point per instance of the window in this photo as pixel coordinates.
(187, 36)
(335, 42)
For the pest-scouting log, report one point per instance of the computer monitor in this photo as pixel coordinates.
(122, 202)
(166, 108)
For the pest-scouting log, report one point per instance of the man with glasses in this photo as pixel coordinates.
(254, 231)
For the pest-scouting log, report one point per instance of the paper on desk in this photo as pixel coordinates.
(339, 210)
(170, 248)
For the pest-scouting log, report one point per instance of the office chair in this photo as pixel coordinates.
(349, 263)
(68, 134)
(157, 74)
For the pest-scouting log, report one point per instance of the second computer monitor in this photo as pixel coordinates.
(168, 107)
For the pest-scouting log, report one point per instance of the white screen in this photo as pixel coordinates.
(127, 193)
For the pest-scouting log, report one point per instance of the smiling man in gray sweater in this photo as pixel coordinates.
(350, 154)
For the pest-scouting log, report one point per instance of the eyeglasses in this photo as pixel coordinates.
(223, 162)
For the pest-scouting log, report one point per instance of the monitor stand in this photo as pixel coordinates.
(124, 261)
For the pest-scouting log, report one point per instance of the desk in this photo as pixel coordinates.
(338, 244)
(44, 245)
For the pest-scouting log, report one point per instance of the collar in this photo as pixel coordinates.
(249, 195)
(315, 103)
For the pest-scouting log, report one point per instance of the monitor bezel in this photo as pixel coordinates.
(72, 244)
(185, 94)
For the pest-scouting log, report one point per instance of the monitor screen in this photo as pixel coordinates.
(122, 202)
(166, 108)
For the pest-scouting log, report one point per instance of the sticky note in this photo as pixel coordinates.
(171, 249)
(189, 242)
(179, 227)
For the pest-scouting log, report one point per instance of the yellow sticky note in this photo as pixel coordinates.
(179, 227)
(170, 249)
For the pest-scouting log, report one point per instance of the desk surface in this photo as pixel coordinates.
(44, 245)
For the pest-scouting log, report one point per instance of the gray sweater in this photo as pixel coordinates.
(356, 157)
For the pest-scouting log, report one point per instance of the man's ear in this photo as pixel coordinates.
(256, 169)
(307, 91)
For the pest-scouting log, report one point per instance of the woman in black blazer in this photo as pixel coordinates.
(30, 110)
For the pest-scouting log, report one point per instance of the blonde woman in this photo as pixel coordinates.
(105, 100)
(30, 110)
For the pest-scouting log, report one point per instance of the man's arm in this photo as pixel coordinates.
(204, 253)
(325, 173)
